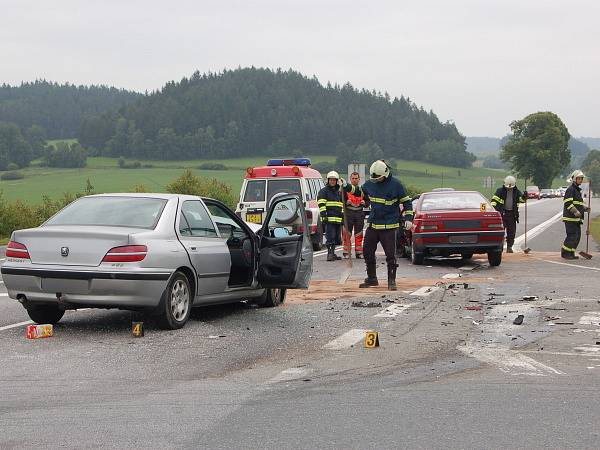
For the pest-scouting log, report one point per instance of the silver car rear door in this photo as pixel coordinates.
(207, 251)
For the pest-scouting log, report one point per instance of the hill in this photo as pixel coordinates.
(593, 143)
(481, 145)
(254, 111)
(58, 108)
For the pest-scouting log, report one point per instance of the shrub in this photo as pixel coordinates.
(67, 155)
(123, 164)
(12, 166)
(212, 166)
(324, 167)
(12, 176)
(190, 184)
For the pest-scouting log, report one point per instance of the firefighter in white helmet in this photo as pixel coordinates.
(330, 204)
(573, 211)
(506, 201)
(385, 194)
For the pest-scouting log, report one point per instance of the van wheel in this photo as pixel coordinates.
(176, 303)
(466, 256)
(494, 258)
(45, 313)
(271, 298)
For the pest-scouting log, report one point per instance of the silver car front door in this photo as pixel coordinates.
(207, 251)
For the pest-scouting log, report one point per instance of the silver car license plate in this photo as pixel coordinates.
(464, 239)
(57, 285)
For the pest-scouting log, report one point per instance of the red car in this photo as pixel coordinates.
(451, 223)
(533, 192)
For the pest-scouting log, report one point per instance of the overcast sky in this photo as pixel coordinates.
(479, 63)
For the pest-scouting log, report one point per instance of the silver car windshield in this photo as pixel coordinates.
(136, 212)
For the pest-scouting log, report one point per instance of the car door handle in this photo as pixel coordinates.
(193, 249)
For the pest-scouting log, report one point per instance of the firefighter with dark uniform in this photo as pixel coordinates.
(385, 194)
(573, 211)
(330, 205)
(356, 220)
(506, 200)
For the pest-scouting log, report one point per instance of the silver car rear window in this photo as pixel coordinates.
(136, 212)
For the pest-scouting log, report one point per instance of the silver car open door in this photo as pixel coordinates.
(286, 257)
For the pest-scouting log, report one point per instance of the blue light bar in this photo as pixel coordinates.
(289, 162)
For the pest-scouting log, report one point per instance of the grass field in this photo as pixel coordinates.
(595, 229)
(106, 176)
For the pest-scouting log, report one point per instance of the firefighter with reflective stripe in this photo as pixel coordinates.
(385, 194)
(506, 201)
(330, 205)
(573, 211)
(356, 220)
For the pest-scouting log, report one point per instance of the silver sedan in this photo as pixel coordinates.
(159, 253)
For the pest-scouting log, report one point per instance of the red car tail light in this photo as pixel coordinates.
(17, 250)
(128, 253)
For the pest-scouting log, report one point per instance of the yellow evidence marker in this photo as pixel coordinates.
(371, 339)
(483, 207)
(137, 329)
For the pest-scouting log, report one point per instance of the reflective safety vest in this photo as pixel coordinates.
(385, 198)
(354, 202)
(573, 198)
(499, 200)
(330, 204)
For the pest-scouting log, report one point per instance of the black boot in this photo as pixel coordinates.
(330, 253)
(392, 278)
(371, 279)
(509, 249)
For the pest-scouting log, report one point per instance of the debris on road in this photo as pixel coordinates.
(473, 308)
(519, 319)
(563, 323)
(39, 331)
(549, 318)
(215, 336)
(361, 304)
(530, 298)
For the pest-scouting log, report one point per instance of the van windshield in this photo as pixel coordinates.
(285, 186)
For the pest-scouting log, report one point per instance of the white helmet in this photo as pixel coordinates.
(510, 182)
(379, 170)
(577, 174)
(333, 174)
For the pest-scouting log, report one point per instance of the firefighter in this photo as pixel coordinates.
(573, 211)
(385, 194)
(356, 220)
(506, 201)
(330, 204)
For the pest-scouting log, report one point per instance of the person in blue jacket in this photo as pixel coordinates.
(386, 194)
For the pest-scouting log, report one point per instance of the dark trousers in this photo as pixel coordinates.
(573, 230)
(333, 233)
(510, 224)
(388, 242)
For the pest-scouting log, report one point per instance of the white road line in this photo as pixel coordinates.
(346, 340)
(16, 325)
(450, 276)
(394, 310)
(425, 291)
(520, 241)
(572, 265)
(587, 349)
(590, 318)
(293, 373)
(3, 295)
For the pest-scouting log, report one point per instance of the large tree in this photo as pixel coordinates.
(538, 148)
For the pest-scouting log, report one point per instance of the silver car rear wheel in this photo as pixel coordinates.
(176, 303)
(180, 300)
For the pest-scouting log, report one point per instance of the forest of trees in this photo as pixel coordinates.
(259, 111)
(58, 108)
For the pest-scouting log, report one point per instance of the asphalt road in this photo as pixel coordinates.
(452, 370)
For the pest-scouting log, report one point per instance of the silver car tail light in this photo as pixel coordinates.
(127, 253)
(17, 250)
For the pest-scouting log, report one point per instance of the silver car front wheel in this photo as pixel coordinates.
(176, 303)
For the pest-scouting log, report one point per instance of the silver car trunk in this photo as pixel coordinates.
(72, 245)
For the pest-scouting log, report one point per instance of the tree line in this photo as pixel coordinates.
(58, 108)
(260, 111)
